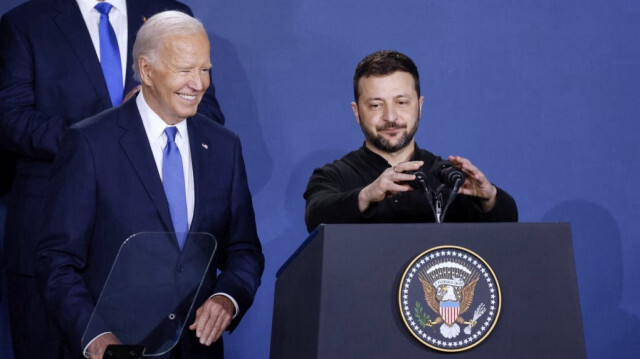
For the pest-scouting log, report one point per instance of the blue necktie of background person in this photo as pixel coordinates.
(109, 54)
(173, 182)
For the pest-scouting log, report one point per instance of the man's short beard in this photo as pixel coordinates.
(382, 144)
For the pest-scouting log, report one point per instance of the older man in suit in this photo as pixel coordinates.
(53, 73)
(155, 165)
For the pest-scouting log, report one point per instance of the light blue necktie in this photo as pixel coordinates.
(109, 54)
(173, 182)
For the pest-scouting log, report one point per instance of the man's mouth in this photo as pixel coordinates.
(187, 97)
(391, 127)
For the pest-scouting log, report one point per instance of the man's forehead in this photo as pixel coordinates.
(193, 47)
(396, 84)
(178, 41)
(392, 76)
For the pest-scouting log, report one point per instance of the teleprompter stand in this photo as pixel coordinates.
(151, 290)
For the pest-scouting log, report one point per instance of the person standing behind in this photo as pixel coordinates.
(60, 61)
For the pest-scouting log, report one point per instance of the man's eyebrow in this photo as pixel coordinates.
(382, 99)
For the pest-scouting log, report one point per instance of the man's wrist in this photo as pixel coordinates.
(230, 304)
(363, 203)
(489, 203)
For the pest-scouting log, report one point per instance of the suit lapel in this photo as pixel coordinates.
(67, 16)
(200, 155)
(135, 144)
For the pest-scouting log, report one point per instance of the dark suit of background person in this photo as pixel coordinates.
(50, 78)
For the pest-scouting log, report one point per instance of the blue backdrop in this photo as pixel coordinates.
(542, 95)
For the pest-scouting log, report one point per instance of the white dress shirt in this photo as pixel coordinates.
(154, 126)
(118, 20)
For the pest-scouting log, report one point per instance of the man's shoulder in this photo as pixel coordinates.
(424, 155)
(27, 13)
(102, 121)
(346, 159)
(210, 128)
(151, 7)
(348, 163)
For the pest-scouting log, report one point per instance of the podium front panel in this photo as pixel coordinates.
(342, 287)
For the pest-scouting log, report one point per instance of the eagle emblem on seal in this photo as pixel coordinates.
(448, 290)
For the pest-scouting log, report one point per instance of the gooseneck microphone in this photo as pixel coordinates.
(452, 177)
(449, 174)
(420, 182)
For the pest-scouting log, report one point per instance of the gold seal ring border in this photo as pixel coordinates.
(404, 320)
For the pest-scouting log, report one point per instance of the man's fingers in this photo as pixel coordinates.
(218, 326)
(200, 323)
(211, 321)
(194, 325)
(407, 166)
(401, 177)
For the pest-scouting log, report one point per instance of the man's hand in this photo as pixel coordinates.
(100, 343)
(212, 318)
(391, 182)
(476, 184)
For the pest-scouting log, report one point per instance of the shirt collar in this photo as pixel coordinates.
(87, 5)
(153, 124)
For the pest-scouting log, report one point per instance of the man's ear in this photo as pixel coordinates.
(354, 108)
(145, 70)
(420, 103)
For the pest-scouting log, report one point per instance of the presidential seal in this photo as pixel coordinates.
(449, 298)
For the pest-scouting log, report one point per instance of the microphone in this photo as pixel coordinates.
(420, 182)
(449, 174)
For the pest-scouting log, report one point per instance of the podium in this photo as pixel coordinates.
(337, 296)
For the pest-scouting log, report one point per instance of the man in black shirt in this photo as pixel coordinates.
(373, 183)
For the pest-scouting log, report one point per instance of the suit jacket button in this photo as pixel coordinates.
(172, 316)
(180, 268)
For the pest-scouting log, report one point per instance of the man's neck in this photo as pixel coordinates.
(403, 155)
(155, 107)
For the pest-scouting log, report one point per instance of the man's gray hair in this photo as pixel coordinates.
(156, 29)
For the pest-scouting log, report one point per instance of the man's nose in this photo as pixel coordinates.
(389, 113)
(199, 80)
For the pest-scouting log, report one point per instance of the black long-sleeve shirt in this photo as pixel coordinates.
(332, 195)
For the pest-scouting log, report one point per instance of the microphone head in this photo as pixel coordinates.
(420, 182)
(449, 174)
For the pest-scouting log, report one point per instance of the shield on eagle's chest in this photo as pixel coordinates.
(449, 311)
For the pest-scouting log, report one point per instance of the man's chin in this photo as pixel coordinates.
(188, 112)
(390, 147)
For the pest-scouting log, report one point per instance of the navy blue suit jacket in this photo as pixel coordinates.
(50, 78)
(105, 186)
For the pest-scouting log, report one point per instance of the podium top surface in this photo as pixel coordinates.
(395, 229)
